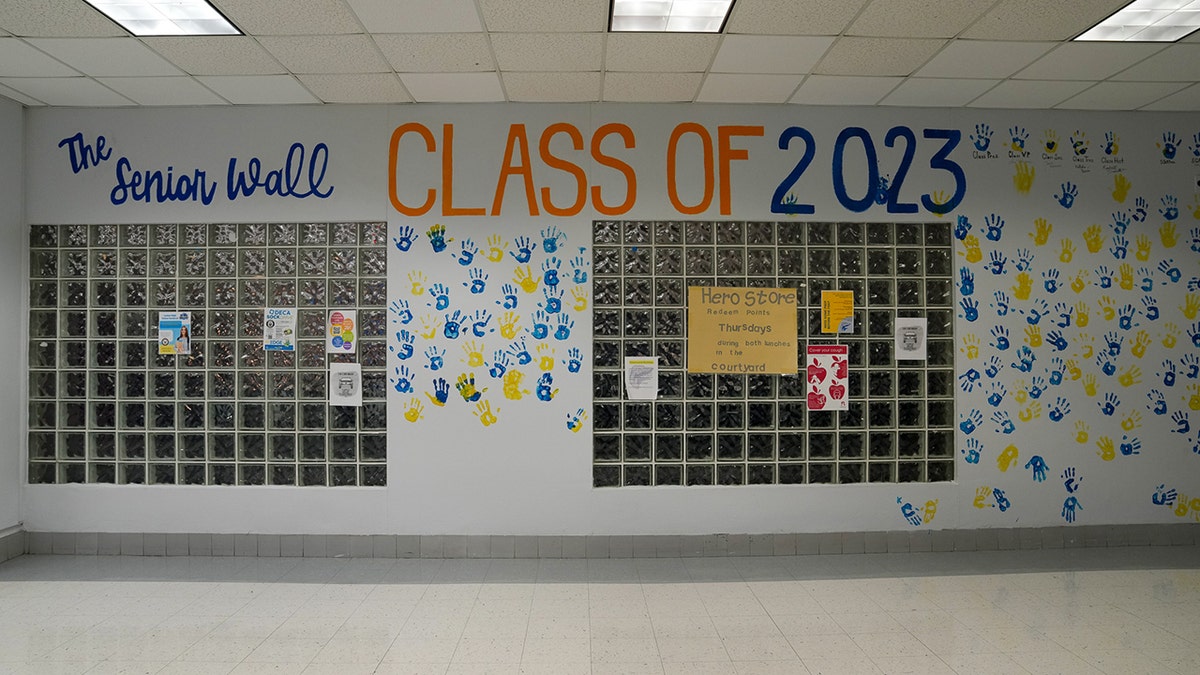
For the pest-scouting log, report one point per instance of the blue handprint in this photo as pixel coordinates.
(1069, 507)
(1050, 280)
(565, 324)
(1034, 313)
(1125, 317)
(520, 352)
(1169, 145)
(1164, 497)
(971, 421)
(996, 394)
(1060, 409)
(1182, 425)
(553, 303)
(522, 249)
(545, 387)
(1119, 248)
(437, 238)
(882, 190)
(1025, 359)
(1106, 366)
(968, 380)
(477, 281)
(479, 323)
(1056, 371)
(1191, 362)
(404, 240)
(1104, 276)
(1070, 482)
(1066, 198)
(1064, 312)
(1110, 143)
(1170, 207)
(1158, 402)
(1004, 423)
(541, 325)
(1024, 259)
(509, 297)
(972, 450)
(1147, 279)
(1110, 404)
(1194, 334)
(1195, 148)
(467, 252)
(1002, 502)
(1055, 339)
(574, 360)
(970, 309)
(1000, 337)
(453, 327)
(962, 227)
(436, 357)
(550, 269)
(909, 512)
(550, 239)
(1195, 244)
(1037, 387)
(1130, 446)
(406, 339)
(579, 267)
(441, 391)
(994, 366)
(1079, 143)
(499, 364)
(1001, 304)
(1114, 341)
(995, 227)
(441, 296)
(400, 308)
(1120, 219)
(1168, 373)
(1169, 268)
(1018, 136)
(982, 137)
(1038, 466)
(966, 284)
(402, 383)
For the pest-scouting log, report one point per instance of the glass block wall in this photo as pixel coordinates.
(754, 429)
(105, 407)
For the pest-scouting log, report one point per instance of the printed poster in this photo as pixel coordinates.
(279, 329)
(837, 311)
(341, 338)
(345, 384)
(174, 332)
(828, 376)
(641, 378)
(910, 339)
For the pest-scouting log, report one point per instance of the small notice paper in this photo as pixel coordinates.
(641, 378)
(910, 339)
(837, 311)
(345, 384)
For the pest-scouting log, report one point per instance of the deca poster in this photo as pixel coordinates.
(828, 372)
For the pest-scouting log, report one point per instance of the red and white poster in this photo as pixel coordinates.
(828, 373)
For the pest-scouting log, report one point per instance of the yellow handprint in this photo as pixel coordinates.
(496, 246)
(1020, 391)
(1143, 248)
(1170, 335)
(580, 295)
(1132, 421)
(1106, 308)
(1087, 345)
(1107, 450)
(1191, 305)
(1082, 315)
(1091, 237)
(1125, 276)
(1080, 281)
(1089, 384)
(1007, 458)
(1023, 178)
(465, 384)
(1073, 369)
(414, 409)
(512, 385)
(971, 249)
(970, 347)
(1041, 233)
(545, 356)
(1024, 286)
(430, 323)
(1081, 432)
(1033, 336)
(939, 198)
(930, 510)
(1166, 233)
(1181, 509)
(1140, 343)
(1050, 141)
(483, 410)
(417, 279)
(510, 323)
(1033, 412)
(1194, 400)
(474, 352)
(1121, 187)
(981, 494)
(1068, 251)
(524, 278)
(1196, 207)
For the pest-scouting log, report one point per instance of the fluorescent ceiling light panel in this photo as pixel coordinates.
(166, 17)
(1148, 21)
(670, 16)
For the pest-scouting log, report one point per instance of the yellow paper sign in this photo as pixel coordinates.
(741, 330)
(837, 311)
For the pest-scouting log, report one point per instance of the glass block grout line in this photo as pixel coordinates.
(112, 410)
(641, 273)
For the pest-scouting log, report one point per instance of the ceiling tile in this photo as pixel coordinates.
(326, 53)
(9, 92)
(837, 90)
(163, 90)
(552, 87)
(877, 56)
(115, 57)
(257, 89)
(1185, 100)
(980, 58)
(552, 16)
(298, 17)
(549, 52)
(19, 59)
(1120, 95)
(769, 54)
(453, 87)
(1088, 60)
(747, 88)
(917, 18)
(364, 88)
(792, 17)
(56, 18)
(651, 87)
(417, 16)
(439, 53)
(1041, 20)
(936, 93)
(66, 91)
(216, 55)
(1176, 63)
(1030, 93)
(660, 52)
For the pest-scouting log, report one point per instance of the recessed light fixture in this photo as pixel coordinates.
(166, 17)
(1147, 21)
(669, 16)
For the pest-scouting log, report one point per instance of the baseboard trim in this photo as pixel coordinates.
(615, 546)
(12, 544)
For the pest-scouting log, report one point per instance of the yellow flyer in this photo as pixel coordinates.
(837, 311)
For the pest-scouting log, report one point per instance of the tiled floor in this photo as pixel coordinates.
(1117, 611)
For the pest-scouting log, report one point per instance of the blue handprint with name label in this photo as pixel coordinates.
(1169, 145)
(982, 138)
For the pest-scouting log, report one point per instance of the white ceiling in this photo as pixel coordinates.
(979, 53)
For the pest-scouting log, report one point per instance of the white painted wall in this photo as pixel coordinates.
(527, 474)
(13, 303)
